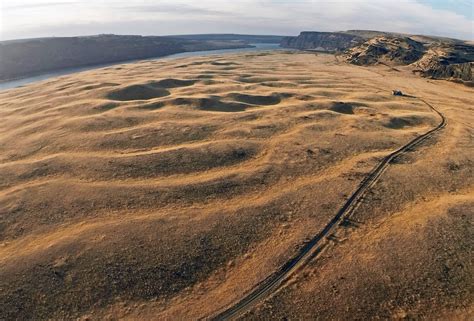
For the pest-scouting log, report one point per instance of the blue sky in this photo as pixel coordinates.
(462, 7)
(42, 18)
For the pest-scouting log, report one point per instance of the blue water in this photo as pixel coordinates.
(68, 71)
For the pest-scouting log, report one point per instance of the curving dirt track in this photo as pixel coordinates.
(320, 241)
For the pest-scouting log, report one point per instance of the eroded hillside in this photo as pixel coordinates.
(428, 56)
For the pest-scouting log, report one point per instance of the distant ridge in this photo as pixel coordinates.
(26, 57)
(231, 37)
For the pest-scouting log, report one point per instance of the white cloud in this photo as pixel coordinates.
(28, 18)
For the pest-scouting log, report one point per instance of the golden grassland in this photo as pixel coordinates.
(168, 189)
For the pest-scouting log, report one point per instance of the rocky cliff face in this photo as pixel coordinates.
(324, 41)
(386, 49)
(455, 71)
(439, 60)
(444, 63)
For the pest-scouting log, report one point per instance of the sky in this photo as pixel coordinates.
(45, 18)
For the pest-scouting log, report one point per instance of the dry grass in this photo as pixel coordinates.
(168, 189)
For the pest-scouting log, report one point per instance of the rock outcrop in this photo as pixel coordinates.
(452, 60)
(429, 56)
(386, 49)
(447, 61)
(323, 41)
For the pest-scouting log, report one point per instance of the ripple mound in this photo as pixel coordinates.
(342, 108)
(138, 92)
(173, 83)
(258, 100)
(175, 192)
(211, 104)
(402, 122)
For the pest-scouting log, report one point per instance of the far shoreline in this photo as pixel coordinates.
(33, 78)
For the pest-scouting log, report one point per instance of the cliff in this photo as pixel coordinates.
(323, 41)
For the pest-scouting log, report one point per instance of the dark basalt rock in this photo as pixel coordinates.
(324, 41)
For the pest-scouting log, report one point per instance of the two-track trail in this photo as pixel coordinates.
(320, 241)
